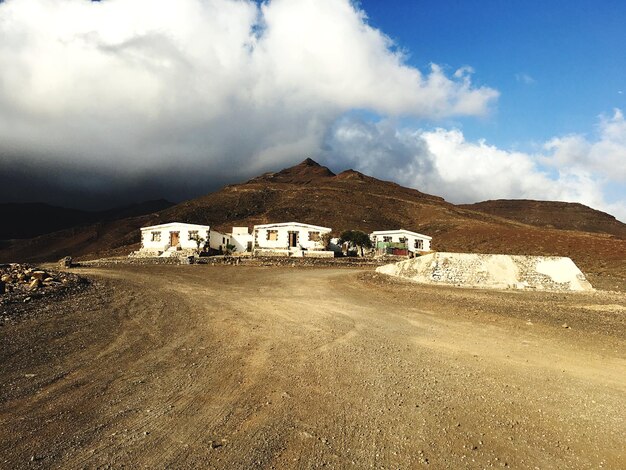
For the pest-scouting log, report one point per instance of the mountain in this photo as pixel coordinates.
(309, 192)
(29, 220)
(561, 215)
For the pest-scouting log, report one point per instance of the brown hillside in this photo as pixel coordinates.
(560, 215)
(312, 193)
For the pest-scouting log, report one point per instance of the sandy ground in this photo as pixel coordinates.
(240, 367)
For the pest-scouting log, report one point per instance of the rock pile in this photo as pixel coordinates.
(551, 273)
(23, 282)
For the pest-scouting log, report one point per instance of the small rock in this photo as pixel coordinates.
(34, 284)
(565, 325)
(215, 445)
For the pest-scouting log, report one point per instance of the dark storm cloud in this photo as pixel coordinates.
(130, 97)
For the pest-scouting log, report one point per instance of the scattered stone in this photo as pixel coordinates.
(22, 283)
(215, 444)
(65, 262)
(565, 325)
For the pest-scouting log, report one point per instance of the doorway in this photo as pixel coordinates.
(293, 239)
(174, 238)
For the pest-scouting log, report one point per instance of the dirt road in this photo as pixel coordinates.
(241, 367)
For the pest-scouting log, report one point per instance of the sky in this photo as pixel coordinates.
(118, 101)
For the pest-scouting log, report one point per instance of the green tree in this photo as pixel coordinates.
(356, 239)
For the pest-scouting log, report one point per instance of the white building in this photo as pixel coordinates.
(289, 238)
(413, 242)
(241, 239)
(163, 239)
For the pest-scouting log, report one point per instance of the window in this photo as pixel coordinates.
(272, 235)
(419, 244)
(193, 234)
(387, 239)
(224, 240)
(156, 236)
(402, 240)
(314, 236)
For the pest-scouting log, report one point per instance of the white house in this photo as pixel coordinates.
(163, 239)
(241, 239)
(413, 242)
(289, 237)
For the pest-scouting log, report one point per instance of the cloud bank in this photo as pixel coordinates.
(151, 98)
(442, 161)
(207, 83)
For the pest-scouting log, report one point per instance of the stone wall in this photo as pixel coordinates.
(348, 262)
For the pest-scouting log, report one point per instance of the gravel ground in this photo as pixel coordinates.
(253, 367)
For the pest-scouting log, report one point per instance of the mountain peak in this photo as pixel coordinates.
(308, 162)
(303, 173)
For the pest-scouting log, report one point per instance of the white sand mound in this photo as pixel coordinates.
(492, 271)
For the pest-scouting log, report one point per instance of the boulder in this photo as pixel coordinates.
(39, 275)
(34, 284)
(66, 262)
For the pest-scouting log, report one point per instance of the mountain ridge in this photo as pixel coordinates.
(311, 193)
(556, 214)
(32, 219)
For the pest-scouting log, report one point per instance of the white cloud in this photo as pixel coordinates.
(443, 162)
(604, 157)
(212, 84)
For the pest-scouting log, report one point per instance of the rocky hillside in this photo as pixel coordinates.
(561, 215)
(312, 193)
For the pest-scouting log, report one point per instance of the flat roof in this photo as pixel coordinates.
(291, 224)
(400, 231)
(178, 224)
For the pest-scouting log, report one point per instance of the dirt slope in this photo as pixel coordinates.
(226, 367)
(561, 215)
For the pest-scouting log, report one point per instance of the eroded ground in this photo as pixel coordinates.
(241, 367)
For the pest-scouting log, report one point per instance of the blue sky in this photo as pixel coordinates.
(117, 101)
(557, 64)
